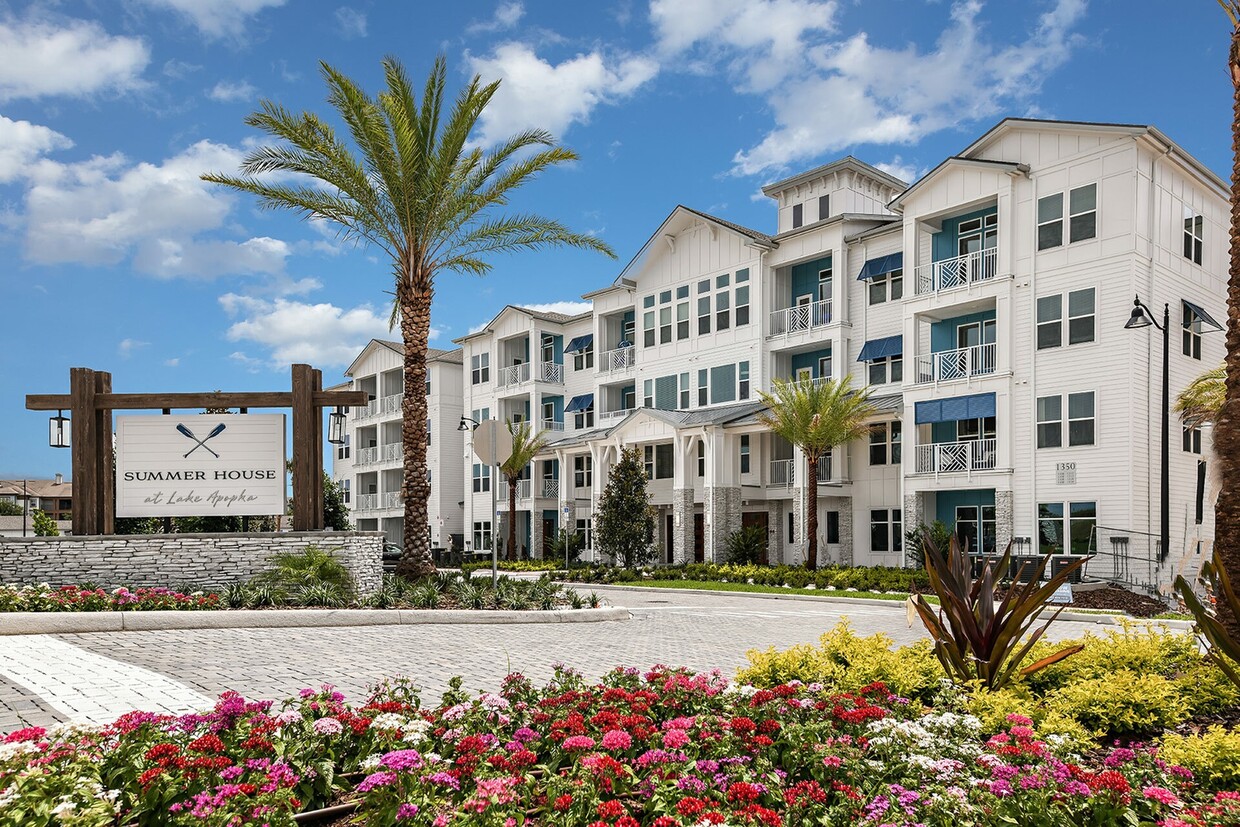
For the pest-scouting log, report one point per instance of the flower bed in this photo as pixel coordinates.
(44, 598)
(663, 748)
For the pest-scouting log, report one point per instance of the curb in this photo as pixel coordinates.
(1078, 617)
(61, 623)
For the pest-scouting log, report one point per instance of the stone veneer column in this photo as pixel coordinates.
(1004, 530)
(914, 511)
(724, 512)
(536, 534)
(775, 532)
(796, 549)
(844, 507)
(682, 523)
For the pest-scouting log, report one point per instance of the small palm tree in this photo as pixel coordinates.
(1201, 401)
(816, 417)
(525, 446)
(412, 185)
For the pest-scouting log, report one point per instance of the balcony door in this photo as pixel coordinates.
(975, 333)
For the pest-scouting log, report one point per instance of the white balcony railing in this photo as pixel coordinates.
(523, 489)
(955, 457)
(824, 469)
(800, 318)
(552, 425)
(393, 499)
(391, 404)
(783, 473)
(620, 359)
(962, 363)
(367, 502)
(517, 374)
(547, 489)
(366, 456)
(960, 271)
(551, 489)
(393, 451)
(551, 372)
(607, 416)
(366, 411)
(814, 382)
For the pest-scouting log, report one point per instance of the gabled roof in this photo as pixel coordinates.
(540, 315)
(433, 354)
(756, 239)
(847, 162)
(1008, 167)
(456, 356)
(881, 219)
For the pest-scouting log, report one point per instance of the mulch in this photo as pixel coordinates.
(1110, 599)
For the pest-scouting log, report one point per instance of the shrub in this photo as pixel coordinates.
(1134, 647)
(1213, 756)
(294, 571)
(746, 545)
(844, 662)
(1122, 703)
(994, 709)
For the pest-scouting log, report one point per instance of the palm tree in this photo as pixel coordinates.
(816, 417)
(412, 185)
(525, 446)
(1201, 401)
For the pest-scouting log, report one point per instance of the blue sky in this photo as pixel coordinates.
(117, 257)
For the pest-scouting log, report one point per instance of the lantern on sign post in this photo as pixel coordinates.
(59, 430)
(335, 426)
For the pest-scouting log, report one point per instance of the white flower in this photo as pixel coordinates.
(388, 721)
(65, 806)
(371, 761)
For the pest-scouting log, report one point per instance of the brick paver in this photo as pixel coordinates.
(695, 629)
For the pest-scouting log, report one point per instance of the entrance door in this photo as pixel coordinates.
(758, 518)
(699, 538)
(667, 539)
(548, 536)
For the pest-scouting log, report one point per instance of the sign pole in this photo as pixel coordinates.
(494, 527)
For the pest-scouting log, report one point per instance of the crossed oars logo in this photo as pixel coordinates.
(202, 443)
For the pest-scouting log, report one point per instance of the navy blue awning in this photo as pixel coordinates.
(580, 403)
(580, 343)
(881, 266)
(1202, 316)
(977, 406)
(881, 348)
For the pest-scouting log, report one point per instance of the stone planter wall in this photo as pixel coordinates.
(174, 560)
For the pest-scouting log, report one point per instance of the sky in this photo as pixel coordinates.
(116, 256)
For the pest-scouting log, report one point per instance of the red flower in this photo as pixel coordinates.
(207, 743)
(627, 821)
(610, 809)
(149, 776)
(743, 793)
(665, 821)
(690, 806)
(564, 802)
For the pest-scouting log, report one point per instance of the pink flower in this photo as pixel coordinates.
(328, 726)
(1161, 795)
(376, 779)
(617, 739)
(675, 738)
(405, 811)
(575, 742)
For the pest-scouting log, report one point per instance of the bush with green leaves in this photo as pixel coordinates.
(292, 572)
(746, 545)
(1212, 755)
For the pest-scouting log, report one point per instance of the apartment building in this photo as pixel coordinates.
(53, 497)
(369, 465)
(985, 306)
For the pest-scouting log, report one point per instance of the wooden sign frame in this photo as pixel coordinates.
(91, 402)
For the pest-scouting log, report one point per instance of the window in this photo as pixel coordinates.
(428, 383)
(1067, 528)
(682, 321)
(701, 458)
(824, 284)
(796, 215)
(1081, 316)
(744, 453)
(1194, 235)
(682, 292)
(792, 534)
(722, 321)
(824, 365)
(428, 432)
(703, 389)
(648, 393)
(482, 535)
(584, 358)
(742, 305)
(1192, 333)
(703, 309)
(665, 297)
(547, 348)
(1050, 321)
(721, 281)
(1192, 440)
(1050, 528)
(659, 461)
(1050, 421)
(684, 391)
(742, 373)
(343, 450)
(889, 287)
(1082, 217)
(346, 486)
(586, 529)
(1082, 527)
(648, 329)
(703, 286)
(885, 534)
(583, 472)
(665, 325)
(482, 478)
(888, 368)
(584, 419)
(968, 430)
(885, 443)
(1081, 418)
(833, 527)
(824, 206)
(548, 412)
(480, 368)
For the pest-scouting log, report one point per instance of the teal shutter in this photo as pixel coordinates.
(665, 393)
(723, 384)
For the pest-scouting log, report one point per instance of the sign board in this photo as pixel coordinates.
(200, 465)
(492, 442)
(1063, 594)
(1065, 473)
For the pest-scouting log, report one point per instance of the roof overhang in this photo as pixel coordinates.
(955, 162)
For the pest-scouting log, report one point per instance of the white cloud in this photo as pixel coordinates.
(292, 331)
(104, 210)
(173, 362)
(507, 15)
(536, 94)
(21, 143)
(67, 57)
(352, 22)
(862, 93)
(177, 69)
(127, 347)
(908, 172)
(217, 18)
(568, 308)
(226, 92)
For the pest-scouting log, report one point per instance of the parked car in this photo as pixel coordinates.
(391, 556)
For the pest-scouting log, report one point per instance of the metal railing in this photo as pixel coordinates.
(814, 382)
(962, 363)
(551, 489)
(620, 359)
(517, 374)
(367, 502)
(606, 416)
(393, 499)
(366, 456)
(800, 318)
(961, 271)
(391, 404)
(551, 372)
(954, 457)
(783, 473)
(547, 489)
(824, 468)
(553, 424)
(366, 411)
(393, 451)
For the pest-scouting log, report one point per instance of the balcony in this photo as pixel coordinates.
(800, 318)
(552, 425)
(519, 374)
(961, 271)
(951, 365)
(784, 472)
(614, 416)
(366, 456)
(392, 452)
(370, 409)
(544, 489)
(367, 502)
(957, 457)
(619, 360)
(393, 499)
(391, 404)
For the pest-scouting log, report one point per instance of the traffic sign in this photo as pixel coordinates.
(492, 442)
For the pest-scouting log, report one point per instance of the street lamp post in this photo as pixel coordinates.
(1143, 317)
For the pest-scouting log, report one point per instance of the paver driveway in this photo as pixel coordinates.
(94, 677)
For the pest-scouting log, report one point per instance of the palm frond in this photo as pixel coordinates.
(1202, 400)
(817, 416)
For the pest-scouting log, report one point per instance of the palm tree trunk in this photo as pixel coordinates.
(415, 327)
(512, 518)
(1227, 426)
(811, 521)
